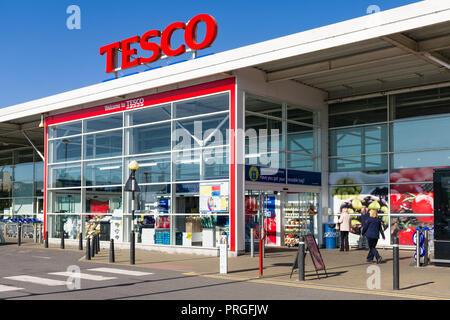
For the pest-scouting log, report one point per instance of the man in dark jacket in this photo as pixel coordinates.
(371, 230)
(363, 218)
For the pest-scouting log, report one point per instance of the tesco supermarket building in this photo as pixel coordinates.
(352, 114)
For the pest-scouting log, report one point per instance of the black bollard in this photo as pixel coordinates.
(19, 234)
(88, 249)
(132, 253)
(93, 247)
(62, 235)
(46, 239)
(80, 243)
(111, 251)
(301, 259)
(396, 264)
(98, 243)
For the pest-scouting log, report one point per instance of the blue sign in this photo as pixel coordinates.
(278, 175)
(269, 207)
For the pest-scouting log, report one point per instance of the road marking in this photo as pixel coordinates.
(4, 288)
(121, 271)
(84, 276)
(320, 287)
(38, 280)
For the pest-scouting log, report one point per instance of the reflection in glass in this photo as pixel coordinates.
(113, 121)
(153, 168)
(300, 138)
(359, 140)
(64, 129)
(263, 106)
(67, 149)
(437, 158)
(149, 115)
(105, 200)
(103, 173)
(300, 162)
(187, 165)
(358, 112)
(103, 145)
(200, 106)
(368, 163)
(65, 175)
(148, 139)
(68, 201)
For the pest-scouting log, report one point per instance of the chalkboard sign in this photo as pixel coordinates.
(315, 252)
(315, 255)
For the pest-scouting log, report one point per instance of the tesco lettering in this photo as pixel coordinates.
(190, 30)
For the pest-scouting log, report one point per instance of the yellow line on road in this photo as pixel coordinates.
(319, 287)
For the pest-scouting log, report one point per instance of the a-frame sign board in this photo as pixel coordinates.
(316, 257)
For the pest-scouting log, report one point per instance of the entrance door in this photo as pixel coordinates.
(442, 214)
(262, 212)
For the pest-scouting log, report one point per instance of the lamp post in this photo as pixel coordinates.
(132, 186)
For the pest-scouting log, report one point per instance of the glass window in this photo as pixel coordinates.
(404, 227)
(23, 206)
(23, 171)
(420, 134)
(260, 105)
(215, 163)
(148, 139)
(187, 165)
(205, 131)
(105, 200)
(187, 198)
(103, 173)
(23, 189)
(357, 112)
(64, 176)
(67, 201)
(263, 132)
(64, 129)
(300, 138)
(154, 168)
(359, 163)
(67, 149)
(300, 162)
(199, 106)
(113, 121)
(149, 115)
(422, 103)
(103, 145)
(420, 159)
(266, 159)
(359, 140)
(300, 115)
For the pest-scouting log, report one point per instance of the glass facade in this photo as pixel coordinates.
(384, 150)
(182, 149)
(21, 184)
(281, 135)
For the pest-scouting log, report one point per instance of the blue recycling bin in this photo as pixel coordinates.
(330, 235)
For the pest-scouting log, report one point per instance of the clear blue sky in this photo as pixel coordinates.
(40, 56)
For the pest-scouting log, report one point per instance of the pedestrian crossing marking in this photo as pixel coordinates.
(83, 276)
(4, 288)
(38, 280)
(121, 271)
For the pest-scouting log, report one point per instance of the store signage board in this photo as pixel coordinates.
(279, 175)
(128, 55)
(315, 255)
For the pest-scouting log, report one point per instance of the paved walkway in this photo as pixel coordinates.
(347, 271)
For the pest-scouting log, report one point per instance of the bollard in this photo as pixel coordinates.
(263, 244)
(97, 244)
(111, 251)
(417, 248)
(425, 247)
(93, 247)
(223, 247)
(88, 249)
(132, 247)
(252, 243)
(46, 239)
(62, 235)
(260, 259)
(35, 234)
(19, 234)
(80, 243)
(40, 235)
(301, 259)
(396, 262)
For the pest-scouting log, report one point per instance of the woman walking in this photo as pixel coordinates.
(371, 230)
(344, 227)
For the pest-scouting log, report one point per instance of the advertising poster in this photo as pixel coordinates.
(214, 197)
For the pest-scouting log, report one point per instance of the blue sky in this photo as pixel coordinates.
(40, 56)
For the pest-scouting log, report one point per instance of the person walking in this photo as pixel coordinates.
(344, 227)
(371, 230)
(363, 218)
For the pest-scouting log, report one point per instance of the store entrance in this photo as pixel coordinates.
(284, 216)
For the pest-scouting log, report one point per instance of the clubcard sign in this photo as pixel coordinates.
(128, 54)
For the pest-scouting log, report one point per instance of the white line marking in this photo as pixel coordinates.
(84, 276)
(4, 288)
(121, 271)
(38, 280)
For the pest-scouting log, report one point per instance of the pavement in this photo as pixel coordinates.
(345, 271)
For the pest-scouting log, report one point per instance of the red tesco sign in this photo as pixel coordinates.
(190, 30)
